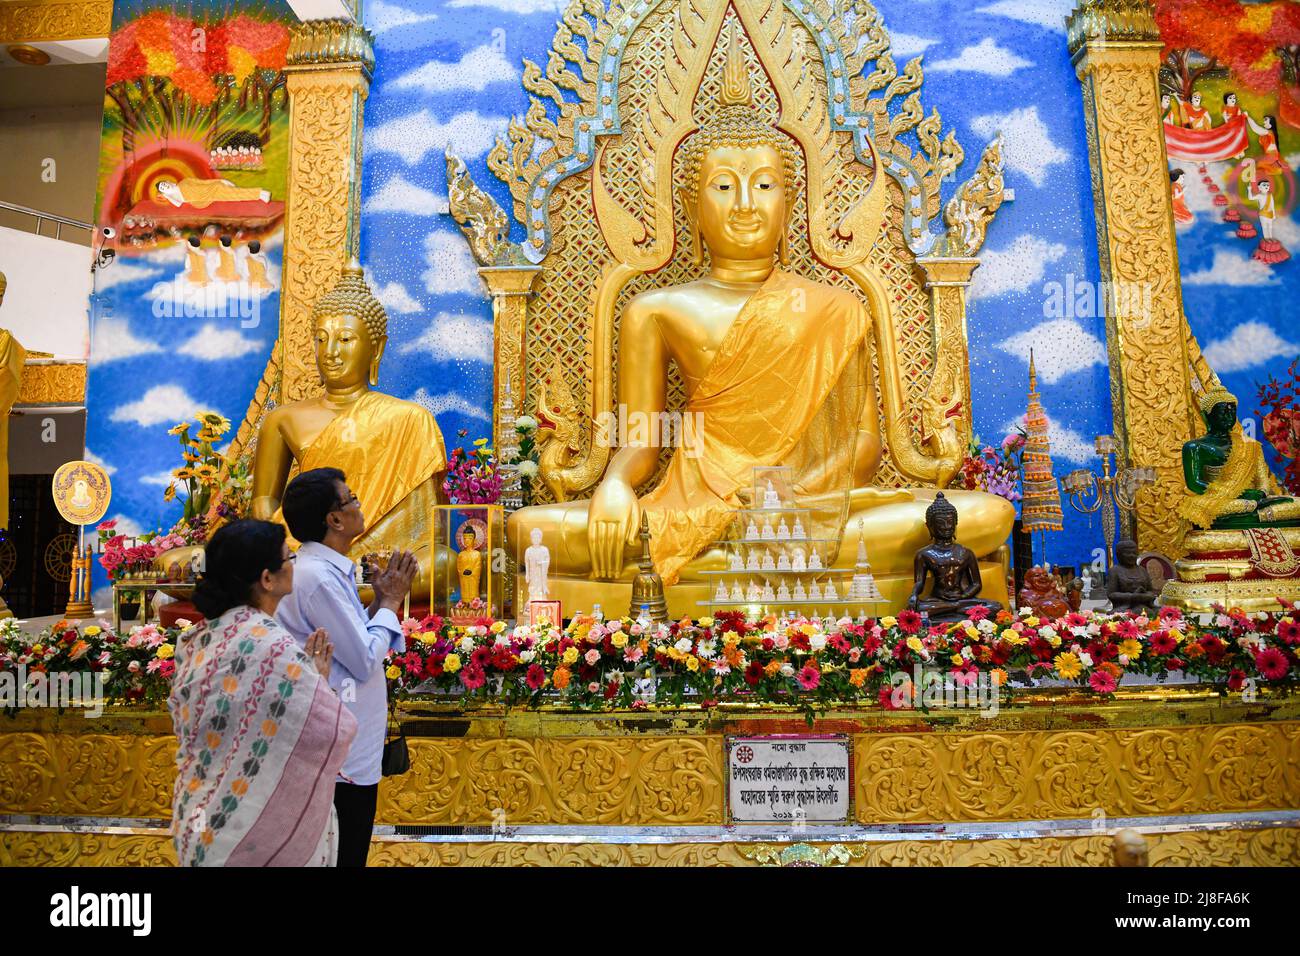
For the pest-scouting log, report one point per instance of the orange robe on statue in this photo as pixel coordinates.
(802, 347)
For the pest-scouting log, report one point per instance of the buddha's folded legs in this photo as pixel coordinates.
(893, 522)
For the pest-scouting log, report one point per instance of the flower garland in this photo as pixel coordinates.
(596, 665)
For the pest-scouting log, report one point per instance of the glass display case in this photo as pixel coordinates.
(469, 562)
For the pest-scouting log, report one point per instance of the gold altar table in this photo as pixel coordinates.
(1208, 780)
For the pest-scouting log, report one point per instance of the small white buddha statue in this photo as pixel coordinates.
(768, 593)
(770, 498)
(737, 593)
(783, 531)
(754, 592)
(537, 562)
(829, 593)
(751, 531)
(768, 563)
(768, 535)
(814, 591)
(751, 563)
(783, 562)
(798, 533)
(798, 564)
(799, 593)
(720, 594)
(783, 592)
(735, 562)
(815, 562)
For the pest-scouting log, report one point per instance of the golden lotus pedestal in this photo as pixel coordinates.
(1048, 780)
(1228, 569)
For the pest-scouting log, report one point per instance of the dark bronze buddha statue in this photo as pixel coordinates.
(1127, 583)
(953, 566)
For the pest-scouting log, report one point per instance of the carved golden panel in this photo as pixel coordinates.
(59, 383)
(585, 780)
(42, 21)
(109, 775)
(1269, 847)
(938, 777)
(679, 779)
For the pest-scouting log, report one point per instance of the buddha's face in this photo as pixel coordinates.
(344, 355)
(741, 208)
(1222, 417)
(1036, 579)
(942, 525)
(1126, 553)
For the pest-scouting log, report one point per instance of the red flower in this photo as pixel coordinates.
(1236, 679)
(480, 657)
(536, 677)
(909, 622)
(472, 676)
(977, 613)
(1103, 682)
(611, 690)
(433, 666)
(1288, 631)
(1213, 647)
(1162, 643)
(768, 643)
(753, 673)
(1272, 663)
(809, 677)
(870, 644)
(886, 697)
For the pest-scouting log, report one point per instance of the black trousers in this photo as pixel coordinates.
(355, 805)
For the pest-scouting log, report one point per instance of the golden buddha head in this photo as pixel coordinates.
(739, 173)
(351, 330)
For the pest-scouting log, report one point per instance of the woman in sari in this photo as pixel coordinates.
(260, 733)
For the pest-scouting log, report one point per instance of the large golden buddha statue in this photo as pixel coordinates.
(391, 450)
(777, 371)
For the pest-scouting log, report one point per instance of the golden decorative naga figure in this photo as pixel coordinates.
(777, 371)
(390, 450)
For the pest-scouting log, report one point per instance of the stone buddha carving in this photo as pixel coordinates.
(777, 367)
(390, 450)
(1128, 585)
(1229, 484)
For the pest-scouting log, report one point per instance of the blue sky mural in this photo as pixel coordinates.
(448, 76)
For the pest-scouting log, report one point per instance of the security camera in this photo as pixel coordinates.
(108, 232)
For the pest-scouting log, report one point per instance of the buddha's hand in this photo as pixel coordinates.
(611, 525)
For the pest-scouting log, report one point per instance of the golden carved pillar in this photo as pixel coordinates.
(330, 64)
(947, 279)
(1116, 51)
(510, 288)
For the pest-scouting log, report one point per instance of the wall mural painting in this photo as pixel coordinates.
(1230, 98)
(190, 215)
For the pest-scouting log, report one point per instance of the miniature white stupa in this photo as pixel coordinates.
(863, 586)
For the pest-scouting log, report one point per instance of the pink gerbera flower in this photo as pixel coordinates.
(1288, 631)
(909, 622)
(536, 677)
(1103, 682)
(1272, 663)
(809, 677)
(472, 676)
(977, 613)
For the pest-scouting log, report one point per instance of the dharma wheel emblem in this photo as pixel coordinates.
(744, 754)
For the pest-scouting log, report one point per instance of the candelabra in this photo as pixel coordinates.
(1106, 492)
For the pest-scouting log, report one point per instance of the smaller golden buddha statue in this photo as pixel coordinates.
(390, 450)
(469, 564)
(12, 357)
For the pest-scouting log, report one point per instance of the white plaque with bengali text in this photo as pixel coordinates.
(788, 779)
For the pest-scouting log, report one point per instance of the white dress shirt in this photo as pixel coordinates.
(325, 595)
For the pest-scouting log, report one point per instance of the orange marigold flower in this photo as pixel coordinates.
(773, 666)
(858, 676)
(560, 679)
